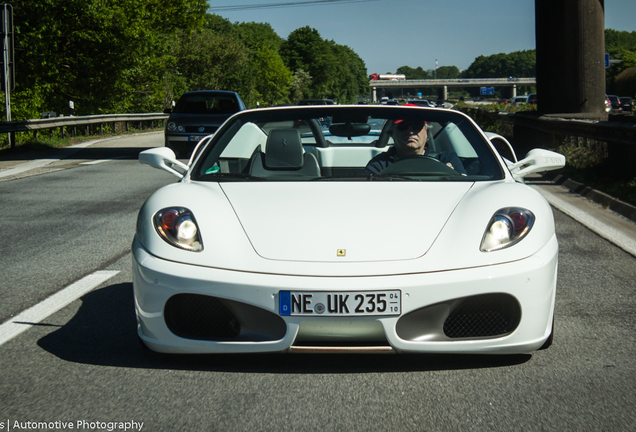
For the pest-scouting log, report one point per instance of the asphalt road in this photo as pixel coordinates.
(66, 219)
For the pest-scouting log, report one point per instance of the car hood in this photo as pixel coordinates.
(343, 222)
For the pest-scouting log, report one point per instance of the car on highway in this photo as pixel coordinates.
(287, 235)
(196, 115)
(420, 102)
(518, 100)
(627, 103)
(532, 99)
(616, 104)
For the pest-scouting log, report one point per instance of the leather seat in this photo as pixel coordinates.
(283, 156)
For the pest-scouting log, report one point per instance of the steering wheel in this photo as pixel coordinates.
(419, 165)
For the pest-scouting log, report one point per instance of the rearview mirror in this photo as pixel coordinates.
(536, 161)
(349, 129)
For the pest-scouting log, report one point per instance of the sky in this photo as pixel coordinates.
(388, 34)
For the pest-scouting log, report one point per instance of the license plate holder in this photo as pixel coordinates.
(333, 303)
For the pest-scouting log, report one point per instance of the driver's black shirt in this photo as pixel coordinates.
(386, 158)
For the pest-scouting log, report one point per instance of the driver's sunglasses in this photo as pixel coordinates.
(411, 125)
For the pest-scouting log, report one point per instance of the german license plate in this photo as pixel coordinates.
(194, 138)
(352, 303)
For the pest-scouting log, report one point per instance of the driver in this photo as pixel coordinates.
(409, 137)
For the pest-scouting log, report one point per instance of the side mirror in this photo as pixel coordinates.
(165, 159)
(536, 161)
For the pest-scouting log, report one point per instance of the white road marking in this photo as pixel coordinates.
(95, 162)
(599, 227)
(44, 309)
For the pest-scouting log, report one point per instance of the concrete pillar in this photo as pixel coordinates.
(514, 91)
(570, 37)
(442, 93)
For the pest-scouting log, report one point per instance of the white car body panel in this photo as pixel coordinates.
(260, 238)
(232, 244)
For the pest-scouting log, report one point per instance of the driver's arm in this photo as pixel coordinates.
(452, 160)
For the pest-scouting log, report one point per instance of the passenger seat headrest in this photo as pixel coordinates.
(284, 150)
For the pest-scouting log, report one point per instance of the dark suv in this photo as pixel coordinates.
(616, 104)
(626, 104)
(198, 114)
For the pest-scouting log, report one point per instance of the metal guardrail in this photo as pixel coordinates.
(72, 121)
(612, 132)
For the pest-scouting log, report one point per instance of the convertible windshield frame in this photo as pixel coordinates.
(350, 120)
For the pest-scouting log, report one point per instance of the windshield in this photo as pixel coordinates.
(207, 103)
(348, 143)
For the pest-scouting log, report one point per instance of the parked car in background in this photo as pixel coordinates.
(532, 99)
(198, 114)
(420, 102)
(627, 103)
(616, 104)
(517, 100)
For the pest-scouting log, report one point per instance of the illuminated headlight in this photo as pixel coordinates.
(177, 226)
(506, 228)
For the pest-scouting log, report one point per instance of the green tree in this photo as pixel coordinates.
(336, 71)
(98, 54)
(447, 72)
(300, 87)
(274, 80)
(620, 45)
(516, 64)
(414, 73)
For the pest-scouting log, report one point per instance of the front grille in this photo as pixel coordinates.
(207, 129)
(200, 317)
(485, 315)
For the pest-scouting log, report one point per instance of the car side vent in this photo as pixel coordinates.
(485, 315)
(200, 317)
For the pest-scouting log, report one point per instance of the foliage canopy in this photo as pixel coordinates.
(140, 55)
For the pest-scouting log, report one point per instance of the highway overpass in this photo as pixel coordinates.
(444, 84)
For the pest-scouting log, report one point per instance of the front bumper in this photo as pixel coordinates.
(183, 143)
(428, 299)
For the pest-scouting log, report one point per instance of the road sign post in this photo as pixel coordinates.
(8, 75)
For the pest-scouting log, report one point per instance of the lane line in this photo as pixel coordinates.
(26, 319)
(607, 232)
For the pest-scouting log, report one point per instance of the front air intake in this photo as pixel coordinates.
(486, 315)
(200, 317)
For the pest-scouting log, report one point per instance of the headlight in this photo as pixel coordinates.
(506, 228)
(172, 126)
(177, 226)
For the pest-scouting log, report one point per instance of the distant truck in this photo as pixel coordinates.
(387, 77)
